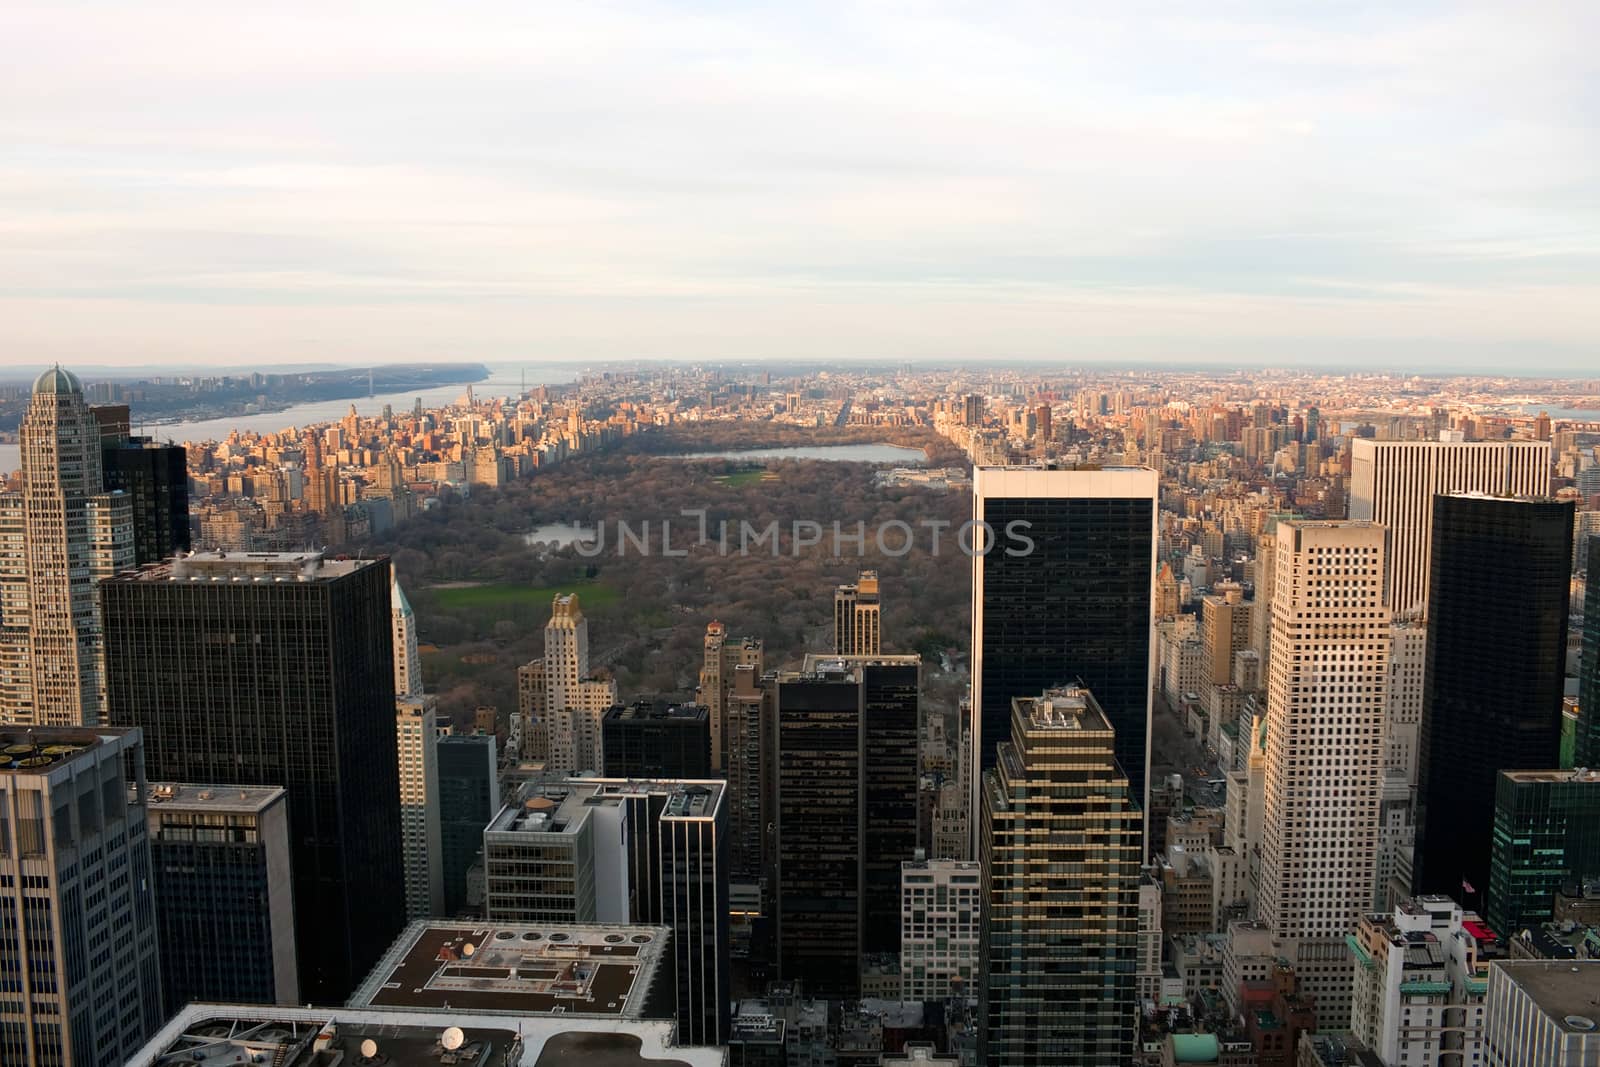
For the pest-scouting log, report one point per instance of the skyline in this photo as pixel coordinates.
(1291, 187)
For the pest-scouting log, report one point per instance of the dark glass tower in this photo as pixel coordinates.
(1497, 646)
(1546, 835)
(1065, 597)
(277, 669)
(650, 739)
(846, 800)
(1587, 749)
(467, 801)
(223, 881)
(156, 479)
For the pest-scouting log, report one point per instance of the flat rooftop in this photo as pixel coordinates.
(1067, 708)
(822, 664)
(225, 566)
(34, 750)
(212, 1035)
(187, 796)
(1580, 774)
(546, 807)
(1564, 989)
(580, 969)
(656, 711)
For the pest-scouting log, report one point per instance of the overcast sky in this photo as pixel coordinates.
(1408, 185)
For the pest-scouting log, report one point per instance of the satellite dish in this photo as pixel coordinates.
(452, 1038)
(369, 1048)
(468, 949)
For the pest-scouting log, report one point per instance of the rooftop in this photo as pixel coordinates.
(224, 566)
(1577, 774)
(545, 807)
(33, 750)
(1066, 708)
(827, 664)
(1566, 990)
(657, 710)
(211, 1035)
(588, 969)
(174, 796)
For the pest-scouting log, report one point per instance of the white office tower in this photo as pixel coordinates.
(416, 723)
(1542, 1012)
(1393, 483)
(59, 536)
(1419, 992)
(407, 667)
(1326, 701)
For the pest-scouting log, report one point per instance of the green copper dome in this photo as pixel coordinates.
(56, 380)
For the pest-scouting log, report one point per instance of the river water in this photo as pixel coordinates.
(503, 380)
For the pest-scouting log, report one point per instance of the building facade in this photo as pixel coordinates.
(651, 739)
(1393, 483)
(58, 536)
(846, 777)
(78, 940)
(1064, 596)
(416, 725)
(224, 906)
(469, 795)
(1061, 843)
(1586, 748)
(858, 617)
(1420, 984)
(1324, 730)
(941, 917)
(723, 656)
(278, 669)
(407, 663)
(155, 478)
(1492, 694)
(1541, 1012)
(1546, 836)
(572, 701)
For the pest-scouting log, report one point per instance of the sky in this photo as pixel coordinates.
(1411, 185)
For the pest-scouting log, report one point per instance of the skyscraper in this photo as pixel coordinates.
(468, 799)
(651, 739)
(1541, 1012)
(1394, 483)
(1326, 701)
(77, 912)
(155, 477)
(1497, 637)
(416, 724)
(278, 669)
(1587, 746)
(845, 778)
(59, 536)
(748, 716)
(1061, 845)
(635, 851)
(407, 664)
(723, 655)
(1067, 600)
(1546, 835)
(223, 906)
(858, 617)
(572, 702)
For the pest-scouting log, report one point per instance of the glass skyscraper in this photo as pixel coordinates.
(277, 669)
(1071, 604)
(1497, 644)
(1546, 835)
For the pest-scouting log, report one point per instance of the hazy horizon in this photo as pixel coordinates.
(1247, 184)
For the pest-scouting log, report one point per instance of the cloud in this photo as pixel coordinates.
(626, 178)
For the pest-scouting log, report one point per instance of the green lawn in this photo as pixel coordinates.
(742, 478)
(493, 596)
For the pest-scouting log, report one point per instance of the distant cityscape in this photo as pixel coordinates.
(1239, 718)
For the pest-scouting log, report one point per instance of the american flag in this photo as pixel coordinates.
(1466, 886)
